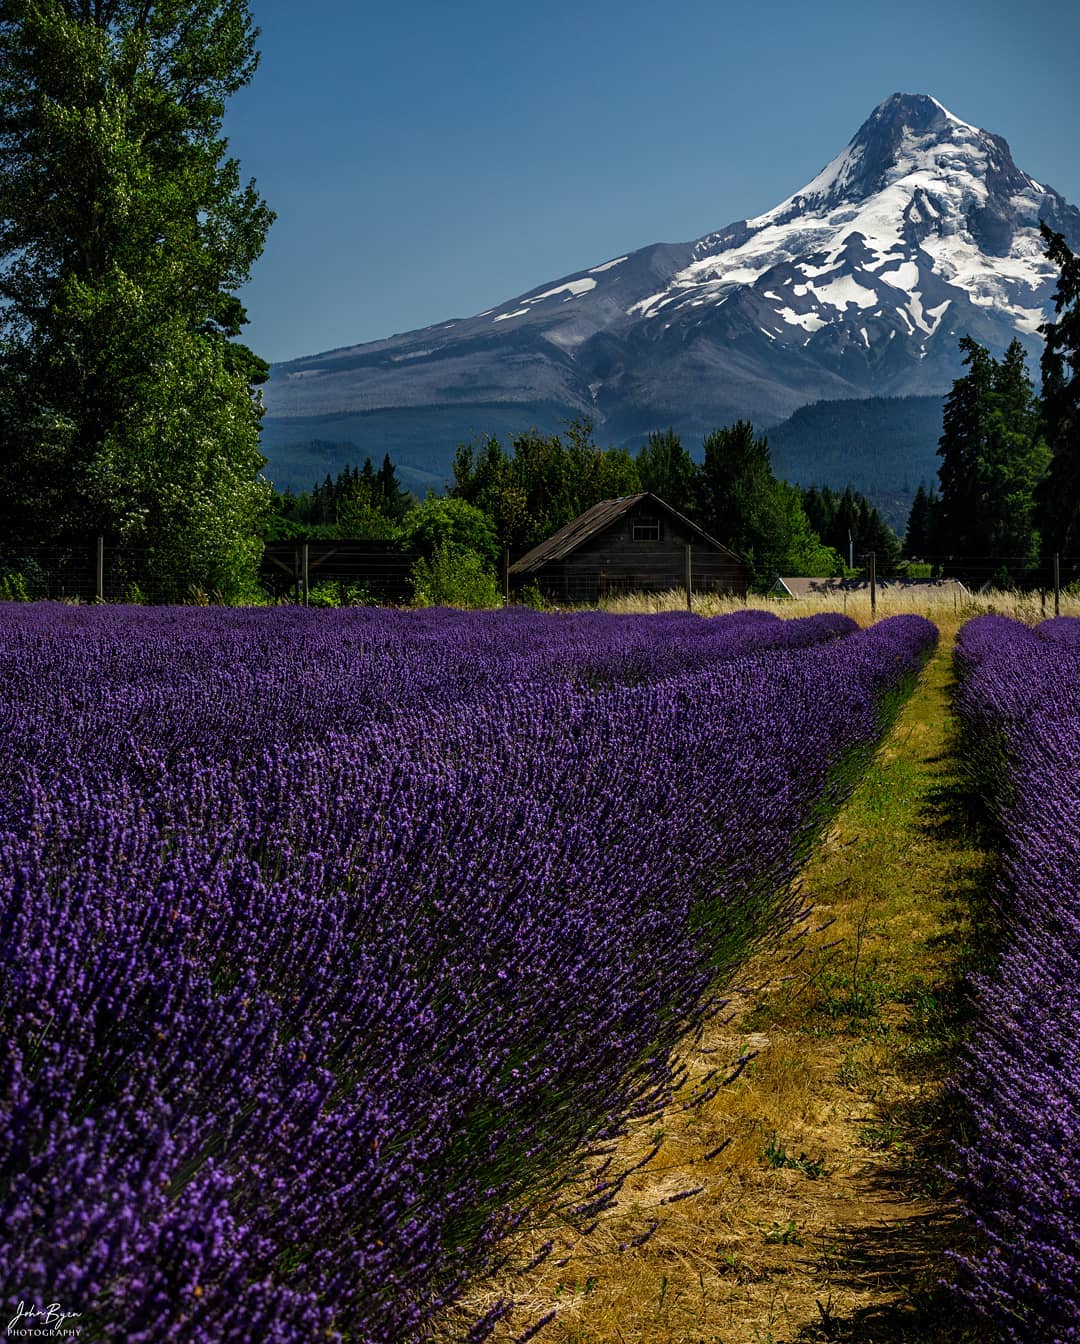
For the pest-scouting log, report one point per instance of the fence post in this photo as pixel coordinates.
(689, 576)
(872, 564)
(100, 574)
(1057, 583)
(305, 587)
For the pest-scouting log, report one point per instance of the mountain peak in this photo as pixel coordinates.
(917, 111)
(909, 136)
(921, 230)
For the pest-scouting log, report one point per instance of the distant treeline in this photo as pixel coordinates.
(1008, 493)
(522, 493)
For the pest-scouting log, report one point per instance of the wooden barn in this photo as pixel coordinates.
(633, 544)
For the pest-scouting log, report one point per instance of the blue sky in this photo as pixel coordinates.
(430, 161)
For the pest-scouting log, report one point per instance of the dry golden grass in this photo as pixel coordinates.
(945, 608)
(823, 1216)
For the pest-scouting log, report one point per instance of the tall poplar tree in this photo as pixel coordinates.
(127, 407)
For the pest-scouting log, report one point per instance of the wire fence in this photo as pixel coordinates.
(379, 572)
(1007, 573)
(366, 572)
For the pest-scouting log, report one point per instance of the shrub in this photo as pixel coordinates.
(442, 521)
(339, 593)
(454, 578)
(13, 588)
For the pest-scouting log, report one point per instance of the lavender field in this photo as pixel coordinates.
(331, 941)
(1019, 1172)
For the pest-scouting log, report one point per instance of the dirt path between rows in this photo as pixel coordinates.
(824, 1216)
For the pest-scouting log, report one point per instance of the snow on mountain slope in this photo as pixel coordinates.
(934, 206)
(921, 230)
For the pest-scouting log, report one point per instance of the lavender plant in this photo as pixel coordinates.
(330, 940)
(1019, 1169)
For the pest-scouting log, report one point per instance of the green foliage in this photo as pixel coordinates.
(359, 504)
(851, 527)
(804, 553)
(14, 588)
(531, 595)
(338, 593)
(543, 483)
(776, 1156)
(667, 470)
(921, 525)
(993, 457)
(454, 577)
(1059, 495)
(125, 402)
(278, 527)
(743, 505)
(445, 521)
(202, 520)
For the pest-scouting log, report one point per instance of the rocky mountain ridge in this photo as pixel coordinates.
(921, 230)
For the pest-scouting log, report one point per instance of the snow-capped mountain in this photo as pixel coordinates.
(921, 230)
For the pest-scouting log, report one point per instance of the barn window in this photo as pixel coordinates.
(646, 527)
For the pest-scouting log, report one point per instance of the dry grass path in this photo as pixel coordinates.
(824, 1217)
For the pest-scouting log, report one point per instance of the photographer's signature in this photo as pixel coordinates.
(43, 1321)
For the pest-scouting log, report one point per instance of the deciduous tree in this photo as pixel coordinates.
(126, 403)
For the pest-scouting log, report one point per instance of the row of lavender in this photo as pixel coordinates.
(1019, 1171)
(329, 940)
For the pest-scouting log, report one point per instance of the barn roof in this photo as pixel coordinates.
(925, 587)
(594, 521)
(802, 587)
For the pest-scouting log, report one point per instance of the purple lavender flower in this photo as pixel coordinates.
(1019, 1171)
(330, 940)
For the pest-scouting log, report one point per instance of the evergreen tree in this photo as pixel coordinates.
(845, 535)
(919, 531)
(367, 478)
(389, 498)
(992, 460)
(744, 506)
(126, 403)
(484, 476)
(817, 504)
(883, 541)
(962, 449)
(1059, 495)
(1018, 462)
